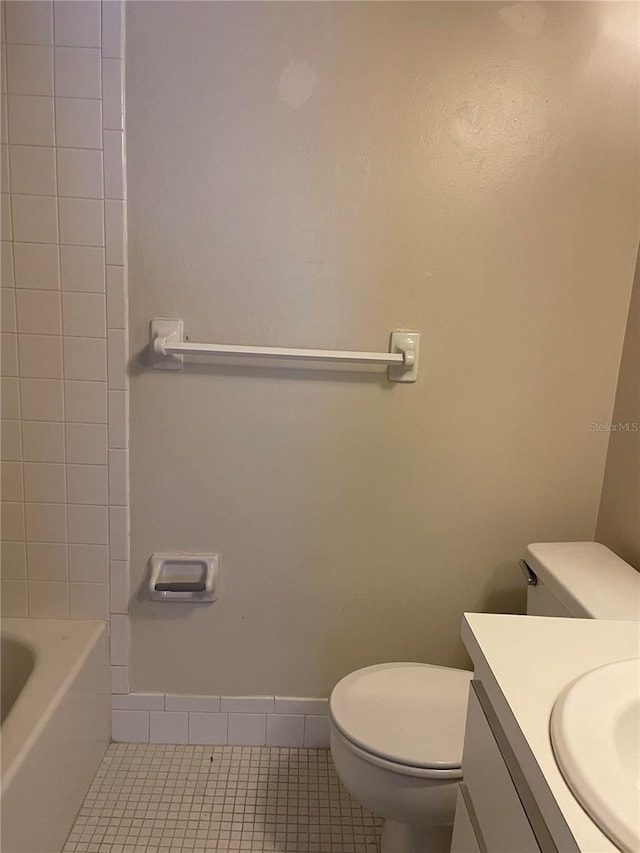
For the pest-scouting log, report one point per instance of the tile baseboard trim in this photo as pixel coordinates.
(281, 721)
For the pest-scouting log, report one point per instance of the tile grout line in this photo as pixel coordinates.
(64, 396)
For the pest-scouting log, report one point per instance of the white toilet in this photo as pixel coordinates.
(397, 728)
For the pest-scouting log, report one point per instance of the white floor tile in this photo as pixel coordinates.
(157, 797)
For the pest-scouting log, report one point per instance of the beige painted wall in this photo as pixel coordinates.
(619, 517)
(317, 175)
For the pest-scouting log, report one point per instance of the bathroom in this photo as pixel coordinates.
(308, 175)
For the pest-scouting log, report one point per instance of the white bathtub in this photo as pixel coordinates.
(55, 727)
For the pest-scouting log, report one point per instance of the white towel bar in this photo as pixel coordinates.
(167, 348)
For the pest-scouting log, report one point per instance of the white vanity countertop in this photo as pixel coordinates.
(523, 663)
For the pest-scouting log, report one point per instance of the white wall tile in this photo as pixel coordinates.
(11, 481)
(6, 217)
(88, 525)
(81, 221)
(119, 586)
(12, 522)
(13, 594)
(118, 533)
(78, 122)
(40, 356)
(118, 420)
(31, 120)
(117, 359)
(9, 356)
(247, 729)
(89, 563)
(48, 600)
(80, 172)
(85, 402)
(77, 24)
(316, 732)
(89, 601)
(34, 218)
(43, 441)
(28, 22)
(188, 702)
(77, 72)
(86, 443)
(36, 266)
(84, 314)
(4, 172)
(10, 397)
(247, 704)
(47, 561)
(87, 484)
(29, 70)
(8, 309)
(6, 264)
(120, 680)
(207, 728)
(11, 441)
(130, 726)
(119, 477)
(138, 702)
(285, 730)
(114, 212)
(113, 29)
(4, 112)
(113, 142)
(42, 399)
(39, 312)
(116, 298)
(82, 268)
(120, 640)
(169, 727)
(5, 186)
(85, 358)
(112, 94)
(46, 522)
(33, 170)
(44, 482)
(13, 560)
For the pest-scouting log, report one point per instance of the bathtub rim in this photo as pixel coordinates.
(40, 697)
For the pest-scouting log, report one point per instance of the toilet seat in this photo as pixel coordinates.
(407, 716)
(449, 775)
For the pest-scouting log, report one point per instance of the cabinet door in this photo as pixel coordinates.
(493, 797)
(464, 837)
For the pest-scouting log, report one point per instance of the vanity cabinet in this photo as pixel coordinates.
(490, 816)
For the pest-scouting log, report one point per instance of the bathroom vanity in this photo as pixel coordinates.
(514, 797)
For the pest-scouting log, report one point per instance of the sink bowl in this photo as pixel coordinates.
(595, 733)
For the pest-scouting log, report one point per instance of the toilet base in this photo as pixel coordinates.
(402, 838)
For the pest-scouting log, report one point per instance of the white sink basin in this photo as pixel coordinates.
(595, 733)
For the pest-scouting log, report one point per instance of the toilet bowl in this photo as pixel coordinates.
(396, 734)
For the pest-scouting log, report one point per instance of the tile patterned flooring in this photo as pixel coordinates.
(160, 798)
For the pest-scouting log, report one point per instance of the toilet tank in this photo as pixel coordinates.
(581, 579)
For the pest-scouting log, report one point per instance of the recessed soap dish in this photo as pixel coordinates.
(184, 577)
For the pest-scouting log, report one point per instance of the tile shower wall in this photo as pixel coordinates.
(64, 317)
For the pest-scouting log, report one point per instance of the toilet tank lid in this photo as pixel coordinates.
(588, 578)
(410, 713)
